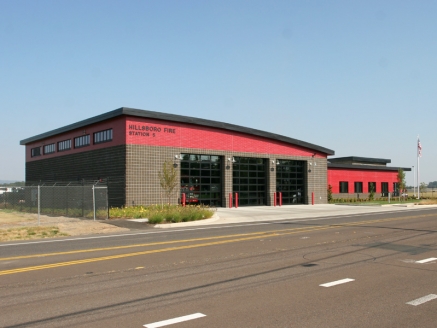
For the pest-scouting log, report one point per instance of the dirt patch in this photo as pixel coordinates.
(68, 226)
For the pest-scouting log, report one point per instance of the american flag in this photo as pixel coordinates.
(419, 148)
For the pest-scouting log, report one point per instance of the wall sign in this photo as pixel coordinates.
(148, 130)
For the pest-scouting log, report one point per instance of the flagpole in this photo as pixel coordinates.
(414, 182)
(418, 171)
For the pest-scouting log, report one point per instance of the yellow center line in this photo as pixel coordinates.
(189, 240)
(250, 236)
(137, 245)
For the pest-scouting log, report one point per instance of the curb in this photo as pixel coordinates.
(214, 218)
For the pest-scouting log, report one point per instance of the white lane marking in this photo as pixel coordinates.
(427, 260)
(422, 300)
(408, 261)
(175, 320)
(338, 282)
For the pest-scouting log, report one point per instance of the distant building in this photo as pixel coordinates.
(352, 177)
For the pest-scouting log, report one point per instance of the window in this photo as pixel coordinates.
(396, 189)
(64, 145)
(82, 141)
(49, 149)
(344, 187)
(35, 152)
(371, 186)
(358, 186)
(384, 189)
(103, 136)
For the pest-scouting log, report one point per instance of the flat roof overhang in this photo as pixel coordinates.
(357, 159)
(366, 167)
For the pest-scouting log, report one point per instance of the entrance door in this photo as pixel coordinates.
(290, 181)
(250, 180)
(201, 177)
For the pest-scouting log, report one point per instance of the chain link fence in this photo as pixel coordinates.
(78, 200)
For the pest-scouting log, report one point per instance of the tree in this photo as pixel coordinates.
(168, 179)
(422, 187)
(329, 193)
(401, 182)
(372, 192)
(432, 184)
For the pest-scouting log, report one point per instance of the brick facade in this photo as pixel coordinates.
(144, 162)
(132, 159)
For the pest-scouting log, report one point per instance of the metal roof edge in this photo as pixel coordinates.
(367, 167)
(88, 121)
(225, 126)
(362, 159)
(177, 118)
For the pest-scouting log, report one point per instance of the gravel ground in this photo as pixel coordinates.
(70, 226)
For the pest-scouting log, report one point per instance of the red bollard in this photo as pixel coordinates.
(280, 199)
(274, 199)
(312, 197)
(230, 200)
(236, 200)
(184, 199)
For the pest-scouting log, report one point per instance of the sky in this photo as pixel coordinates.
(357, 77)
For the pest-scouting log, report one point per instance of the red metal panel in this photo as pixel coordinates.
(335, 175)
(144, 131)
(118, 138)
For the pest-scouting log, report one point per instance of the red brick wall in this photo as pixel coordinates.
(335, 175)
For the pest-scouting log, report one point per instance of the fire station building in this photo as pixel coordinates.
(213, 160)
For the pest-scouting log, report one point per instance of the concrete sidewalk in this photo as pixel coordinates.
(291, 212)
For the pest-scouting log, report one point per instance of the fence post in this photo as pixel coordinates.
(83, 198)
(39, 202)
(94, 203)
(107, 204)
(66, 201)
(107, 198)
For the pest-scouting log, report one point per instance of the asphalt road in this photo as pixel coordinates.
(374, 270)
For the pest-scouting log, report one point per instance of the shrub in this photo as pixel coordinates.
(163, 213)
(156, 218)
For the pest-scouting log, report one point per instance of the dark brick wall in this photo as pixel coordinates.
(132, 171)
(108, 163)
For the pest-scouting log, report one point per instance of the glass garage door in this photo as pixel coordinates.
(250, 180)
(290, 181)
(201, 178)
